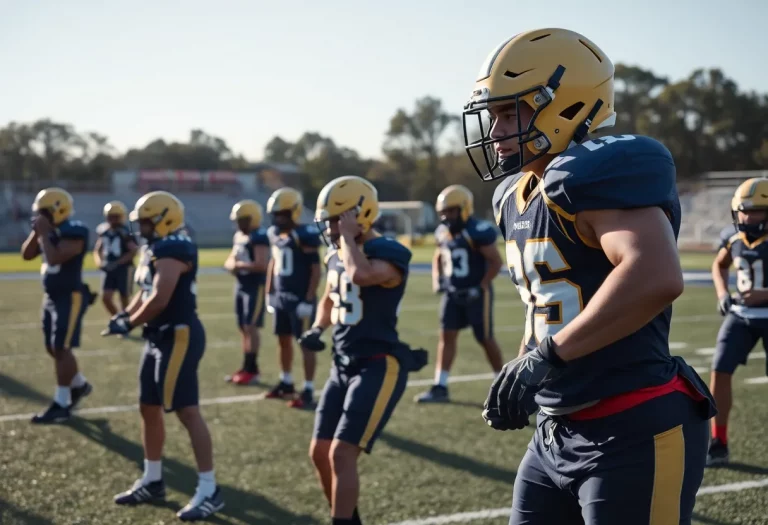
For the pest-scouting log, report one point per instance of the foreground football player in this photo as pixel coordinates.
(292, 278)
(366, 280)
(113, 254)
(62, 244)
(465, 263)
(248, 263)
(591, 226)
(746, 314)
(175, 342)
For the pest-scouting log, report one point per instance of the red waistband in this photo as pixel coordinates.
(621, 402)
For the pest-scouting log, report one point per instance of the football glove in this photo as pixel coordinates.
(118, 325)
(310, 340)
(304, 310)
(270, 300)
(724, 304)
(510, 401)
(108, 267)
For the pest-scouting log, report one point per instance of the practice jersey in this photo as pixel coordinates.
(557, 271)
(114, 242)
(750, 260)
(68, 276)
(291, 267)
(461, 263)
(182, 307)
(243, 245)
(364, 318)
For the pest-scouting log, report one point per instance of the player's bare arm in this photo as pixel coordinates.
(97, 253)
(361, 270)
(30, 248)
(720, 265)
(270, 271)
(167, 275)
(493, 257)
(314, 276)
(324, 307)
(436, 270)
(646, 278)
(130, 253)
(135, 303)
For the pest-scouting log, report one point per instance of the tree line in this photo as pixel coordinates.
(705, 120)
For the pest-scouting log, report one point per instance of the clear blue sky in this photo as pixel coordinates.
(247, 70)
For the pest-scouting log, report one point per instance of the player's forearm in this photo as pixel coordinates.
(148, 310)
(323, 315)
(97, 256)
(30, 248)
(436, 271)
(314, 280)
(491, 272)
(135, 303)
(720, 279)
(356, 264)
(632, 294)
(53, 255)
(268, 284)
(126, 258)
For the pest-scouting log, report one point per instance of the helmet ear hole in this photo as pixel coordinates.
(571, 111)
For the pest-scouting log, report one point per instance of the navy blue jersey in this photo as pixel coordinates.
(114, 242)
(68, 276)
(461, 263)
(557, 272)
(182, 308)
(243, 245)
(365, 318)
(750, 260)
(291, 267)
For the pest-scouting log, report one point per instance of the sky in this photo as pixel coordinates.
(136, 70)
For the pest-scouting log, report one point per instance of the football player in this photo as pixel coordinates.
(366, 278)
(248, 263)
(590, 228)
(746, 313)
(292, 278)
(61, 243)
(465, 263)
(175, 342)
(113, 254)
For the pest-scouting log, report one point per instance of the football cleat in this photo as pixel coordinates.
(717, 453)
(305, 400)
(141, 493)
(200, 507)
(241, 377)
(281, 391)
(436, 394)
(54, 414)
(78, 393)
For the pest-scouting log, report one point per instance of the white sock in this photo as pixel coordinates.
(286, 377)
(206, 483)
(309, 385)
(441, 377)
(77, 381)
(63, 396)
(153, 471)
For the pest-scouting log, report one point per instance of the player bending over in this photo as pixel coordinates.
(175, 342)
(590, 228)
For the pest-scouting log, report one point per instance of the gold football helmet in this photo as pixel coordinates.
(286, 199)
(55, 201)
(456, 196)
(115, 209)
(163, 209)
(247, 209)
(344, 194)
(563, 76)
(751, 195)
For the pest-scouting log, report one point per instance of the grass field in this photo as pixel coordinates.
(431, 461)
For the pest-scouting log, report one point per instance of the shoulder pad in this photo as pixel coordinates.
(627, 171)
(259, 237)
(503, 192)
(73, 230)
(728, 235)
(309, 235)
(178, 247)
(481, 232)
(389, 250)
(102, 228)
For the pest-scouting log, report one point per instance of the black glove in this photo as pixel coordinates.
(310, 340)
(118, 325)
(510, 401)
(724, 304)
(465, 295)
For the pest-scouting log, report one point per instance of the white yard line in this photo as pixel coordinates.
(486, 514)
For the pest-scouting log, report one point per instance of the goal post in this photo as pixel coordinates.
(407, 221)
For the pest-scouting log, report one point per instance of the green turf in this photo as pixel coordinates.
(431, 460)
(214, 257)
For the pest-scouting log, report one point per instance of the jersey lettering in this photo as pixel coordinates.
(283, 257)
(347, 304)
(749, 276)
(455, 262)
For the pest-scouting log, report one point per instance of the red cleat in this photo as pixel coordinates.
(246, 378)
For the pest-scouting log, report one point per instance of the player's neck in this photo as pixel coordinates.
(539, 166)
(367, 236)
